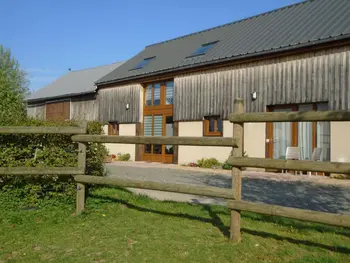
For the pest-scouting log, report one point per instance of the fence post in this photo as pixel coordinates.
(82, 167)
(235, 235)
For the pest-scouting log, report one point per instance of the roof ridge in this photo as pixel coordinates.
(234, 22)
(110, 64)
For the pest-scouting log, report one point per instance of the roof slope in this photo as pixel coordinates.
(74, 83)
(306, 23)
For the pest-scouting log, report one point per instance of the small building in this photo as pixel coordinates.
(72, 96)
(295, 58)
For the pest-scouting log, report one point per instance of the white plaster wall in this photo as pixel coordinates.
(255, 139)
(124, 130)
(340, 141)
(254, 142)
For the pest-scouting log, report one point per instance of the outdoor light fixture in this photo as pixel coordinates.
(127, 106)
(254, 95)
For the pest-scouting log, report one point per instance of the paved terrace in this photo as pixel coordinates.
(300, 191)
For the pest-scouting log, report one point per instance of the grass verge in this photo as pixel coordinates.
(119, 226)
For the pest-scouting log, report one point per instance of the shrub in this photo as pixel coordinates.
(209, 163)
(227, 166)
(124, 157)
(46, 150)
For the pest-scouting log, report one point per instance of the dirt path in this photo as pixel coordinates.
(316, 193)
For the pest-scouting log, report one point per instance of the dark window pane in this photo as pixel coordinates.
(212, 125)
(169, 149)
(156, 101)
(148, 99)
(143, 63)
(203, 49)
(169, 93)
(157, 149)
(219, 125)
(148, 148)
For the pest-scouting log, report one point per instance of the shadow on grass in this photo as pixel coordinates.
(217, 222)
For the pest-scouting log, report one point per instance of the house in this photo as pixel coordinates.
(72, 96)
(295, 58)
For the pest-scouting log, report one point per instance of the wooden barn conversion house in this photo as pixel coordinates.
(295, 58)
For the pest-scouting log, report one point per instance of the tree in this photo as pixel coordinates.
(13, 89)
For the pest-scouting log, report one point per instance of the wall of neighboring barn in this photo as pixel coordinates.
(124, 130)
(254, 142)
(316, 76)
(36, 111)
(112, 103)
(85, 108)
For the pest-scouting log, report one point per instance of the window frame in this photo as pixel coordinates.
(162, 91)
(196, 52)
(113, 128)
(206, 126)
(143, 63)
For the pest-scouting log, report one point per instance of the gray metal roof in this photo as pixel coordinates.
(73, 83)
(302, 24)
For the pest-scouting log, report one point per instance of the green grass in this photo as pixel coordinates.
(121, 227)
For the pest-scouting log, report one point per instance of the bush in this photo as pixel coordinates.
(46, 150)
(227, 166)
(209, 163)
(124, 157)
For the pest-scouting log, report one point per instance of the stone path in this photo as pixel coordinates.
(308, 192)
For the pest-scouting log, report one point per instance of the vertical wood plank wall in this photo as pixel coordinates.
(318, 76)
(37, 111)
(112, 103)
(85, 108)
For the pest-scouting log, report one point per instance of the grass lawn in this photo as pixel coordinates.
(119, 226)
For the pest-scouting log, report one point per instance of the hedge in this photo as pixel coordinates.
(46, 150)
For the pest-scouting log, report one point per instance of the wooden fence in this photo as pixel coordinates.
(237, 160)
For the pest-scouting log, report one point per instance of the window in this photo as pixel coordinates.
(203, 49)
(143, 63)
(113, 128)
(169, 92)
(159, 94)
(212, 126)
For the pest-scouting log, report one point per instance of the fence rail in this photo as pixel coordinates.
(296, 165)
(142, 184)
(40, 171)
(42, 130)
(195, 141)
(236, 142)
(295, 213)
(290, 116)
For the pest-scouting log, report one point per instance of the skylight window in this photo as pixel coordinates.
(143, 63)
(203, 49)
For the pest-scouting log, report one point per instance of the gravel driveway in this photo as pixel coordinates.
(315, 193)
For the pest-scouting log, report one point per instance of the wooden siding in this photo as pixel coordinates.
(319, 76)
(36, 111)
(58, 111)
(85, 108)
(112, 103)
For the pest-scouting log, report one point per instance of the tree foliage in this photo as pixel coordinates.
(13, 88)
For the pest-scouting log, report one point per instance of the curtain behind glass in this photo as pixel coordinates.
(305, 135)
(282, 136)
(323, 134)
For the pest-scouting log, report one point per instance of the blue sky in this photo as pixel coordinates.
(50, 36)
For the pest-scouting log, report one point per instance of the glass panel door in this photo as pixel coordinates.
(305, 135)
(158, 131)
(323, 131)
(169, 131)
(282, 136)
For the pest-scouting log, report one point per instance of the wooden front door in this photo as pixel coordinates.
(158, 121)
